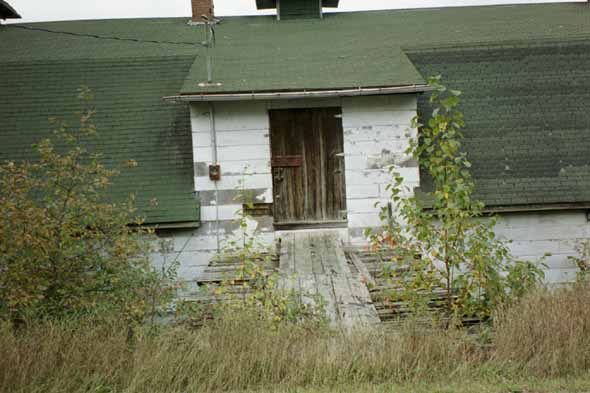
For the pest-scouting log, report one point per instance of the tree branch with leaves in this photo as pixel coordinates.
(442, 240)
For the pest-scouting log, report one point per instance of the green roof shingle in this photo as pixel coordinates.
(365, 49)
(527, 119)
(39, 80)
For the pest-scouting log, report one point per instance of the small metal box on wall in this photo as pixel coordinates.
(215, 172)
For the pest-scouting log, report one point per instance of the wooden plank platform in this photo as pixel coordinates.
(315, 263)
(350, 280)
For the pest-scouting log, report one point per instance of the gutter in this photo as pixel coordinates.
(361, 91)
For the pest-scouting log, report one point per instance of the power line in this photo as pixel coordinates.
(102, 37)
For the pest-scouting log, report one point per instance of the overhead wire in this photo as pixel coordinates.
(102, 37)
(124, 39)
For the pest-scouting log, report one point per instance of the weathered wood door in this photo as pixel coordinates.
(308, 166)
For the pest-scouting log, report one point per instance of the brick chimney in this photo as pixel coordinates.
(202, 7)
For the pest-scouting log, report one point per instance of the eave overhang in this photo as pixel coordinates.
(278, 95)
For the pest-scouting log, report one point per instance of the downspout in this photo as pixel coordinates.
(214, 151)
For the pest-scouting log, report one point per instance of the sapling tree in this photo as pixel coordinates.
(255, 275)
(64, 250)
(582, 259)
(442, 240)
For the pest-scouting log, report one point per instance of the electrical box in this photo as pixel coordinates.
(215, 172)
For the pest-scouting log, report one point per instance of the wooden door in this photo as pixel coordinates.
(308, 166)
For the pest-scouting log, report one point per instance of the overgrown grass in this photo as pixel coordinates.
(545, 335)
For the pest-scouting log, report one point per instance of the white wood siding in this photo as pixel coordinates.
(376, 135)
(377, 131)
(534, 234)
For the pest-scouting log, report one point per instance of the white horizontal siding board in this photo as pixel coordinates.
(243, 115)
(366, 205)
(186, 259)
(385, 146)
(379, 176)
(197, 242)
(366, 177)
(263, 238)
(232, 138)
(358, 241)
(363, 220)
(202, 139)
(200, 118)
(245, 167)
(370, 116)
(378, 133)
(363, 191)
(249, 166)
(557, 261)
(185, 240)
(379, 160)
(358, 163)
(541, 246)
(535, 233)
(545, 232)
(404, 102)
(222, 212)
(525, 220)
(241, 153)
(407, 190)
(558, 276)
(203, 154)
(193, 264)
(255, 181)
(243, 138)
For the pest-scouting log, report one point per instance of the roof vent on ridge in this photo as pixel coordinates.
(7, 12)
(296, 9)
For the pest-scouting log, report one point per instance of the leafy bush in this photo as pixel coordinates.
(63, 249)
(582, 259)
(441, 239)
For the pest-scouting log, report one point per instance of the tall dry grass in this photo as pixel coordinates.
(239, 354)
(233, 354)
(548, 332)
(63, 357)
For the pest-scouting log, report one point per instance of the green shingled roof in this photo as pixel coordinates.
(39, 77)
(304, 69)
(364, 49)
(523, 68)
(527, 119)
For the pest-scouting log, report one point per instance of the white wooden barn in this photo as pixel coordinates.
(302, 113)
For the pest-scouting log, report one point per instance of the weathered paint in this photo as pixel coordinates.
(556, 232)
(376, 134)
